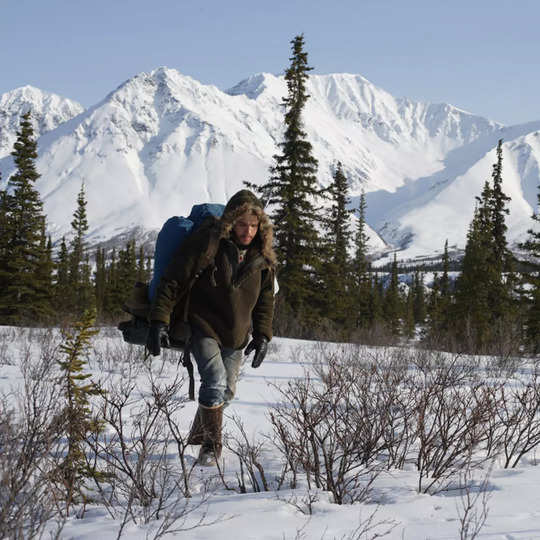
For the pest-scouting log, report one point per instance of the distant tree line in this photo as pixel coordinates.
(328, 286)
(40, 287)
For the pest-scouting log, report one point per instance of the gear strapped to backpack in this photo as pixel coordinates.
(171, 237)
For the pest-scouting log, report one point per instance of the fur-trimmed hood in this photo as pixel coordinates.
(245, 201)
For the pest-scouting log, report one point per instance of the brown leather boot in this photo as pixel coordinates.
(196, 433)
(212, 420)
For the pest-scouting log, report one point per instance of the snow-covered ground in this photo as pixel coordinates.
(512, 496)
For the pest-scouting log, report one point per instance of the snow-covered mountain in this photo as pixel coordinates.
(162, 141)
(48, 112)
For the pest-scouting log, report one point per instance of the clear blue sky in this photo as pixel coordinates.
(480, 55)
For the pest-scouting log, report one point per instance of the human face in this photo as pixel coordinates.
(245, 228)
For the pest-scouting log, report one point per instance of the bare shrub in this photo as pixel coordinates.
(118, 358)
(303, 502)
(367, 529)
(473, 506)
(517, 419)
(370, 528)
(170, 401)
(134, 451)
(29, 436)
(146, 485)
(328, 428)
(248, 453)
(450, 422)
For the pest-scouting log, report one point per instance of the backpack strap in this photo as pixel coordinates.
(206, 261)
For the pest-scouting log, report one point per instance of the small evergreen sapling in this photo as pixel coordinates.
(76, 415)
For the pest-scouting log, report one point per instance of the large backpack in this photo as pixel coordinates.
(172, 235)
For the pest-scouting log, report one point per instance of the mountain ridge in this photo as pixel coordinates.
(162, 140)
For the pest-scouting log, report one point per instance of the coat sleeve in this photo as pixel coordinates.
(263, 313)
(194, 255)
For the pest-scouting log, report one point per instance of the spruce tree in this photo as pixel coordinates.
(121, 275)
(111, 296)
(100, 282)
(364, 293)
(81, 289)
(531, 281)
(409, 325)
(484, 310)
(376, 300)
(76, 414)
(471, 308)
(292, 193)
(503, 304)
(445, 278)
(440, 304)
(22, 243)
(44, 302)
(497, 204)
(5, 224)
(392, 303)
(418, 298)
(361, 239)
(336, 277)
(127, 272)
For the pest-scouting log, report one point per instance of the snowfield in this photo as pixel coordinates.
(390, 500)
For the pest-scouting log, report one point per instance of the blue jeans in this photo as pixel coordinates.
(218, 368)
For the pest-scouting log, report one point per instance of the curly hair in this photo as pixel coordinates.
(264, 234)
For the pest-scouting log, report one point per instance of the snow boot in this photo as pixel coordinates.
(212, 420)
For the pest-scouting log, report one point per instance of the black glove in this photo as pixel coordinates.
(157, 337)
(259, 344)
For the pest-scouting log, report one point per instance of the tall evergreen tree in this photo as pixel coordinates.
(100, 281)
(292, 192)
(392, 304)
(361, 239)
(503, 304)
(23, 238)
(445, 278)
(127, 271)
(44, 302)
(418, 298)
(5, 224)
(81, 289)
(364, 292)
(376, 301)
(497, 205)
(484, 311)
(408, 314)
(531, 282)
(336, 277)
(439, 304)
(111, 295)
(471, 308)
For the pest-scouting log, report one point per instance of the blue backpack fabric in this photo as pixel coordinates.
(173, 234)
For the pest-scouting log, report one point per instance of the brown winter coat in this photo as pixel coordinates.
(226, 301)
